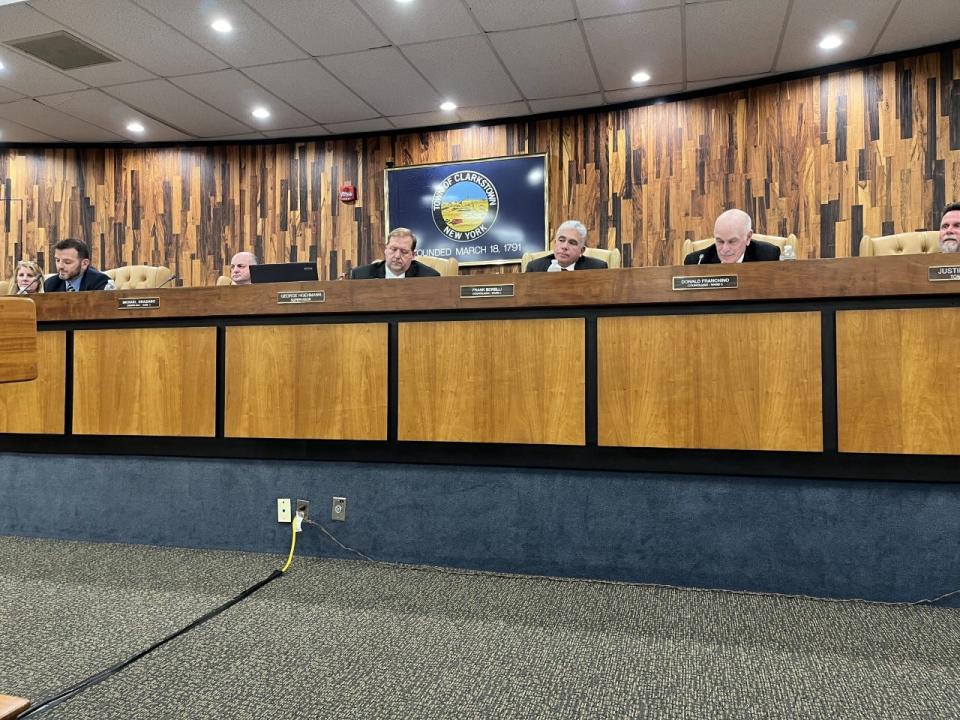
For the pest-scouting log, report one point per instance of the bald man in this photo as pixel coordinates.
(732, 233)
(240, 267)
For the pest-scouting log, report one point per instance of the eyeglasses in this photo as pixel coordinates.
(393, 249)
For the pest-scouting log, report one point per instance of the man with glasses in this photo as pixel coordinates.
(398, 260)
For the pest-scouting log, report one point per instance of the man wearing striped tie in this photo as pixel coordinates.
(73, 269)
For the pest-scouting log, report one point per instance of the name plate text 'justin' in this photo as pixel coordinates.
(484, 291)
(151, 303)
(938, 273)
(298, 298)
(706, 282)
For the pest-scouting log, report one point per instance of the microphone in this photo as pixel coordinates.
(169, 279)
(700, 259)
(26, 288)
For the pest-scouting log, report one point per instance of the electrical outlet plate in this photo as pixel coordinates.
(283, 510)
(303, 506)
(338, 510)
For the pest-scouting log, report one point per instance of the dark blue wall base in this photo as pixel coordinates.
(878, 541)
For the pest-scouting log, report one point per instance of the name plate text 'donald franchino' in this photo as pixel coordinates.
(705, 282)
(141, 303)
(297, 298)
(939, 273)
(483, 291)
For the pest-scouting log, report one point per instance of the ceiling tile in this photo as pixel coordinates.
(236, 95)
(31, 77)
(547, 61)
(464, 70)
(857, 21)
(420, 21)
(241, 136)
(13, 132)
(252, 42)
(489, 112)
(312, 90)
(642, 93)
(385, 80)
(625, 44)
(940, 23)
(599, 8)
(327, 28)
(495, 15)
(114, 73)
(575, 102)
(32, 114)
(721, 82)
(8, 95)
(132, 33)
(98, 108)
(361, 126)
(304, 132)
(421, 120)
(171, 105)
(759, 20)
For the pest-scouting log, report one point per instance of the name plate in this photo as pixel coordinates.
(706, 282)
(298, 298)
(484, 291)
(151, 303)
(939, 273)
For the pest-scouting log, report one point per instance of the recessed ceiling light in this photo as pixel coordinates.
(404, 2)
(1, 66)
(448, 106)
(135, 127)
(830, 42)
(640, 77)
(260, 112)
(221, 25)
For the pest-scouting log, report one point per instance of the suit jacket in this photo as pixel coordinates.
(584, 263)
(378, 271)
(757, 251)
(92, 279)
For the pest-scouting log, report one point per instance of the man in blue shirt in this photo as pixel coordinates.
(73, 269)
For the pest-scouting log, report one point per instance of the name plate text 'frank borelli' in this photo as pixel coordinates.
(706, 282)
(939, 273)
(297, 298)
(151, 303)
(484, 291)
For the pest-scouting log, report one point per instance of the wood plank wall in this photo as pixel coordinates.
(874, 150)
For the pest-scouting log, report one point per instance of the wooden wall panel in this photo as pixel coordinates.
(37, 406)
(896, 381)
(874, 149)
(498, 381)
(324, 382)
(728, 382)
(145, 381)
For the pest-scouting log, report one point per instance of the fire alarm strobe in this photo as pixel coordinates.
(348, 193)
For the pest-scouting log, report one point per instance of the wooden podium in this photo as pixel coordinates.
(18, 340)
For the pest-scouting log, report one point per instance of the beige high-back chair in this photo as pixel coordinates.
(443, 266)
(611, 257)
(134, 277)
(4, 286)
(908, 243)
(690, 246)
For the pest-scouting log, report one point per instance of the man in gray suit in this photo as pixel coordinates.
(568, 246)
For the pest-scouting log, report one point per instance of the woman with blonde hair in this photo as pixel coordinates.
(28, 279)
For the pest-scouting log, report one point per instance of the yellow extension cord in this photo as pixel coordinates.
(293, 545)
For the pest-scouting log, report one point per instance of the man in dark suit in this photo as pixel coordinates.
(568, 246)
(732, 232)
(398, 260)
(73, 270)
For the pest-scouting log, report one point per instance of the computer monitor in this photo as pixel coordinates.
(283, 272)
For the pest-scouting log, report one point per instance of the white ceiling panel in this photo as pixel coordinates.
(241, 136)
(330, 27)
(758, 20)
(941, 23)
(98, 108)
(547, 61)
(31, 77)
(857, 21)
(236, 95)
(21, 20)
(420, 21)
(476, 114)
(171, 105)
(720, 82)
(642, 93)
(312, 90)
(575, 102)
(114, 73)
(419, 120)
(8, 95)
(495, 15)
(464, 70)
(385, 80)
(252, 42)
(305, 132)
(361, 126)
(132, 33)
(599, 8)
(31, 114)
(625, 44)
(13, 132)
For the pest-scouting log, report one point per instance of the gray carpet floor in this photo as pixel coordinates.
(352, 639)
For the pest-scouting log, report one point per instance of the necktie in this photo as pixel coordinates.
(69, 287)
